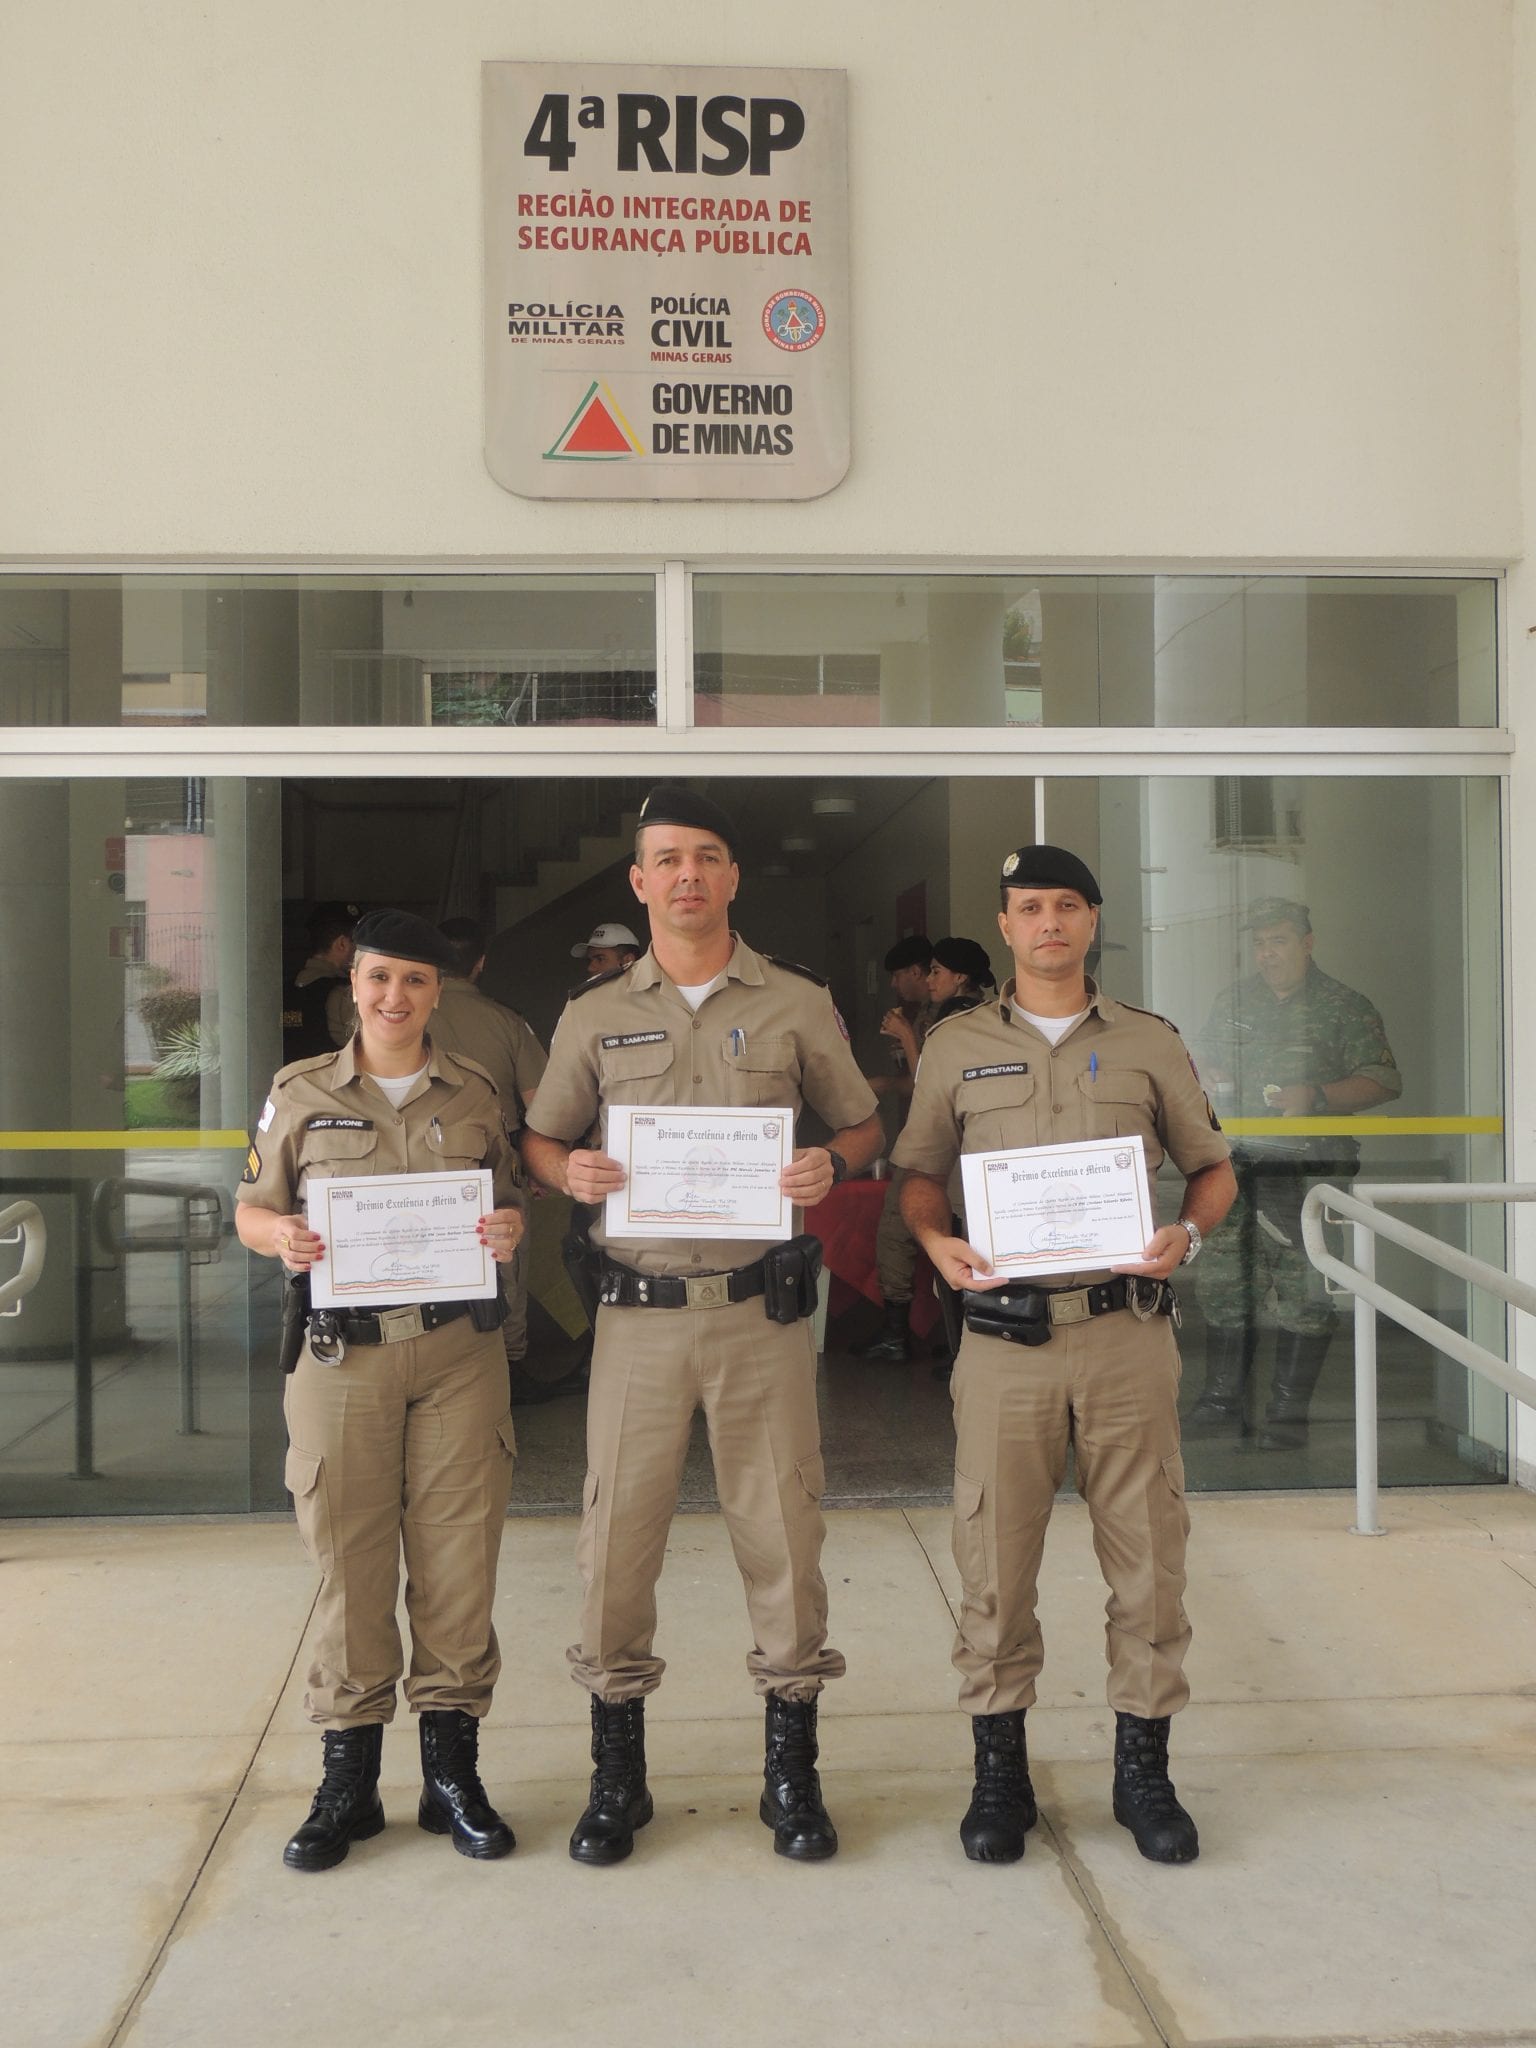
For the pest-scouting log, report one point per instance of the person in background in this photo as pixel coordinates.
(610, 946)
(904, 1024)
(1288, 1042)
(400, 1437)
(306, 1031)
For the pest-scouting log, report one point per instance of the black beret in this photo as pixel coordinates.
(670, 804)
(964, 956)
(913, 951)
(1050, 867)
(403, 936)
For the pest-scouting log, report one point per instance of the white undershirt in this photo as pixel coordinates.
(397, 1087)
(1053, 1028)
(695, 993)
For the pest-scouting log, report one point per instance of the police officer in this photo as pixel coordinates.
(398, 1426)
(1287, 1042)
(610, 946)
(307, 1005)
(1092, 1363)
(699, 1018)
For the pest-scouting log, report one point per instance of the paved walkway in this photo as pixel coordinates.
(1362, 1762)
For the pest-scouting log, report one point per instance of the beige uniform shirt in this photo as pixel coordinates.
(990, 1082)
(496, 1038)
(325, 1120)
(766, 1033)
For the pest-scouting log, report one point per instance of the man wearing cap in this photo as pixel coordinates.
(699, 1019)
(610, 946)
(1288, 1042)
(1054, 1061)
(400, 1437)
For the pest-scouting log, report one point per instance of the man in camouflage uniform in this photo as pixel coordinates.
(1289, 1041)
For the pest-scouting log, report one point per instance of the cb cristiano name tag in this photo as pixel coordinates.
(1047, 1209)
(401, 1237)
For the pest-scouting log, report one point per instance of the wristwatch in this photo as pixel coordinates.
(839, 1166)
(1195, 1240)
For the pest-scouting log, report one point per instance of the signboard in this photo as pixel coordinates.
(666, 279)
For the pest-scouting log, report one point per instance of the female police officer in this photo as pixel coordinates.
(398, 1424)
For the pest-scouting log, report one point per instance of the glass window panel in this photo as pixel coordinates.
(328, 650)
(1093, 650)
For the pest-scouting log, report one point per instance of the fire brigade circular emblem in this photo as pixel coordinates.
(794, 320)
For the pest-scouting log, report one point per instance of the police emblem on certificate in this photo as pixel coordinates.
(401, 1237)
(1059, 1208)
(700, 1173)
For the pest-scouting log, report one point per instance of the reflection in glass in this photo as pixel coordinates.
(150, 651)
(1021, 650)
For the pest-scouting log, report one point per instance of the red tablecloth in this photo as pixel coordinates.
(846, 1223)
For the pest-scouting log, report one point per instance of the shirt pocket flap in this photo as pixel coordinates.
(994, 1091)
(761, 1055)
(336, 1147)
(460, 1141)
(636, 1062)
(1116, 1084)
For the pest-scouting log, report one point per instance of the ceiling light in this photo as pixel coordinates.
(834, 806)
(798, 845)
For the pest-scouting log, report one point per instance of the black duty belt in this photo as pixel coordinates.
(1021, 1314)
(391, 1325)
(622, 1287)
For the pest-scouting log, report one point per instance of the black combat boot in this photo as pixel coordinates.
(1144, 1796)
(620, 1800)
(453, 1800)
(1002, 1809)
(791, 1802)
(894, 1344)
(346, 1808)
(1222, 1409)
(1298, 1362)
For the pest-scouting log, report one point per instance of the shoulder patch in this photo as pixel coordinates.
(1140, 1012)
(321, 1059)
(252, 1167)
(794, 967)
(585, 988)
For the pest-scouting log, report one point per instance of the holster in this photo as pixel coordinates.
(295, 1317)
(491, 1313)
(582, 1261)
(790, 1273)
(1024, 1319)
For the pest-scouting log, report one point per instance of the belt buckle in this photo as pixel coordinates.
(707, 1290)
(1070, 1306)
(398, 1325)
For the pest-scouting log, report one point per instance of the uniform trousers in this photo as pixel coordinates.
(1109, 1388)
(402, 1447)
(895, 1246)
(756, 1382)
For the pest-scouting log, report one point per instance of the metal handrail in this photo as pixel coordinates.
(205, 1221)
(1359, 1210)
(26, 1218)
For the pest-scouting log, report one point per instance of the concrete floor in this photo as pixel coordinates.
(1361, 1759)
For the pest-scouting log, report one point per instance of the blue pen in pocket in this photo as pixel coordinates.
(1093, 1066)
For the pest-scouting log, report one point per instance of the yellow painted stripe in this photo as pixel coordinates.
(1363, 1126)
(124, 1141)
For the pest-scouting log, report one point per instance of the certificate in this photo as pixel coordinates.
(401, 1237)
(700, 1173)
(1059, 1208)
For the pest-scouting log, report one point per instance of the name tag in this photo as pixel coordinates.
(986, 1073)
(635, 1038)
(339, 1123)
